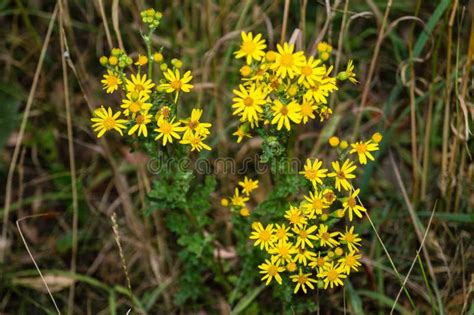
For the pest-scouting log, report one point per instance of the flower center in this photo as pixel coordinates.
(306, 109)
(286, 60)
(134, 107)
(248, 101)
(265, 236)
(176, 85)
(165, 111)
(315, 88)
(248, 47)
(295, 218)
(302, 279)
(303, 234)
(166, 127)
(281, 233)
(195, 141)
(349, 238)
(329, 196)
(333, 275)
(139, 87)
(325, 236)
(351, 202)
(112, 80)
(341, 175)
(272, 270)
(361, 148)
(317, 204)
(320, 262)
(140, 119)
(284, 110)
(109, 123)
(306, 70)
(284, 251)
(350, 261)
(193, 124)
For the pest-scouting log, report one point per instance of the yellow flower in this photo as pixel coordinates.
(342, 174)
(316, 204)
(167, 130)
(319, 262)
(295, 217)
(141, 120)
(139, 83)
(332, 275)
(164, 112)
(270, 56)
(281, 232)
(241, 133)
(196, 142)
(248, 185)
(284, 113)
(194, 125)
(176, 83)
(326, 238)
(377, 137)
(141, 60)
(248, 103)
(251, 47)
(244, 211)
(350, 261)
(324, 47)
(351, 204)
(135, 103)
(313, 171)
(307, 109)
(291, 266)
(158, 57)
(110, 82)
(304, 255)
(343, 145)
(224, 202)
(105, 120)
(238, 200)
(245, 71)
(263, 236)
(351, 239)
(334, 141)
(304, 236)
(287, 63)
(271, 269)
(350, 72)
(283, 251)
(302, 280)
(310, 72)
(363, 150)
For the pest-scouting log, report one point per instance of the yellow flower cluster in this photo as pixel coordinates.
(145, 107)
(283, 87)
(312, 244)
(238, 202)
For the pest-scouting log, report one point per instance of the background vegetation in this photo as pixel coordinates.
(414, 61)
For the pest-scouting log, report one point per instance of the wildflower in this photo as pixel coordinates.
(164, 112)
(111, 82)
(248, 103)
(196, 142)
(351, 204)
(287, 63)
(113, 61)
(168, 130)
(351, 239)
(377, 137)
(342, 174)
(313, 171)
(319, 91)
(302, 280)
(263, 236)
(178, 64)
(334, 141)
(241, 133)
(350, 262)
(248, 185)
(244, 211)
(338, 251)
(141, 121)
(224, 202)
(194, 125)
(343, 145)
(307, 109)
(329, 196)
(281, 232)
(310, 72)
(283, 251)
(326, 238)
(176, 83)
(251, 47)
(324, 50)
(158, 57)
(363, 150)
(332, 275)
(271, 56)
(350, 72)
(319, 262)
(303, 255)
(139, 83)
(295, 216)
(238, 200)
(245, 71)
(271, 269)
(291, 266)
(316, 204)
(135, 103)
(141, 60)
(304, 236)
(284, 113)
(105, 120)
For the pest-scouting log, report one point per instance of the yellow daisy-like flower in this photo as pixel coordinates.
(196, 142)
(271, 269)
(287, 63)
(168, 130)
(139, 83)
(283, 114)
(283, 251)
(295, 216)
(194, 125)
(315, 204)
(176, 83)
(304, 255)
(141, 60)
(319, 262)
(302, 280)
(111, 82)
(310, 72)
(263, 236)
(329, 196)
(141, 120)
(332, 275)
(238, 200)
(351, 239)
(326, 238)
(135, 103)
(350, 262)
(313, 171)
(248, 185)
(304, 236)
(351, 204)
(363, 150)
(251, 47)
(307, 109)
(281, 232)
(350, 72)
(241, 133)
(105, 120)
(248, 103)
(342, 174)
